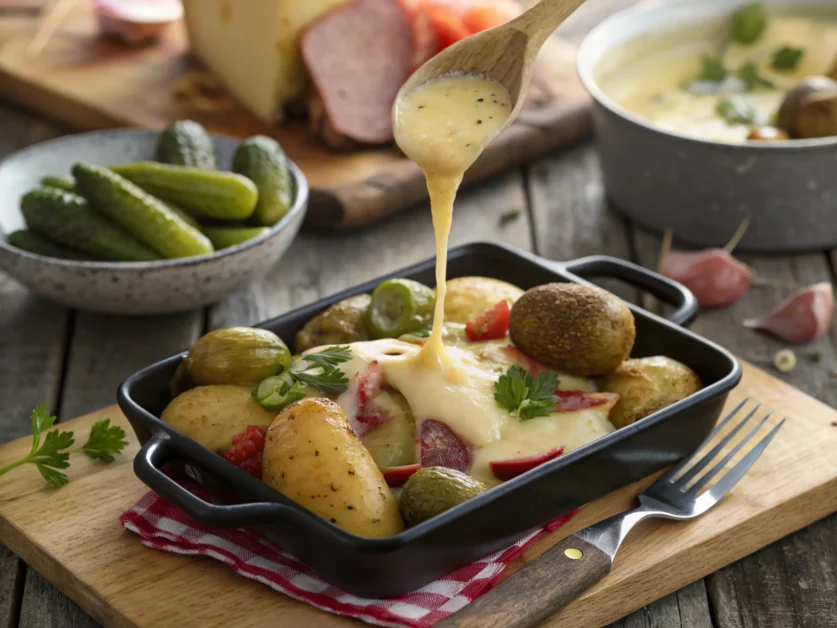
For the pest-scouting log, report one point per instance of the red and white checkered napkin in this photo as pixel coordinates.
(162, 526)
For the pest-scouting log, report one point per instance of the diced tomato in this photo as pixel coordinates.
(448, 25)
(247, 448)
(530, 364)
(492, 325)
(478, 19)
(425, 39)
(440, 447)
(572, 400)
(397, 476)
(507, 469)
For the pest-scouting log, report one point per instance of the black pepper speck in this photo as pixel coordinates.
(479, 121)
(333, 520)
(316, 452)
(480, 99)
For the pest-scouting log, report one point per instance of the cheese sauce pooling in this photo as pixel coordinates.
(443, 125)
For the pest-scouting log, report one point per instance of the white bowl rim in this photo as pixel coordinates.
(299, 206)
(590, 53)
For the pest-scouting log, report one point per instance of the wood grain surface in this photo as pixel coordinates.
(91, 83)
(112, 577)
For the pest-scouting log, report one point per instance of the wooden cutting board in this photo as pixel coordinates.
(92, 83)
(72, 535)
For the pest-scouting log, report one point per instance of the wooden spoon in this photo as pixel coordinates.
(505, 53)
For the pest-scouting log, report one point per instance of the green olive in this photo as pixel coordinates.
(398, 307)
(237, 355)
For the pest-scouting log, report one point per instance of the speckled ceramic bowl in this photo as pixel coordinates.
(702, 189)
(136, 288)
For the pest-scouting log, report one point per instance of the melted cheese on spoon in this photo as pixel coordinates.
(443, 125)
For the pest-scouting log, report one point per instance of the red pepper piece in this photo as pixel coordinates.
(397, 476)
(507, 469)
(247, 448)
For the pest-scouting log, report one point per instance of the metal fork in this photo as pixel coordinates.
(575, 564)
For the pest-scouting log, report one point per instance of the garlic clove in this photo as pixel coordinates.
(803, 317)
(714, 276)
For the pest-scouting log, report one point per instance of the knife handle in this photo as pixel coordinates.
(538, 590)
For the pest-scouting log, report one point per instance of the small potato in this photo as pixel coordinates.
(647, 385)
(312, 456)
(212, 415)
(342, 323)
(469, 297)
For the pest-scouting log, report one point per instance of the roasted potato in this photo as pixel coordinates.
(342, 323)
(469, 297)
(212, 415)
(647, 385)
(575, 329)
(312, 456)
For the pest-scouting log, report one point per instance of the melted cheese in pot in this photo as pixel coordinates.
(443, 125)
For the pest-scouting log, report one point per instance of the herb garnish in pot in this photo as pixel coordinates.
(316, 369)
(521, 394)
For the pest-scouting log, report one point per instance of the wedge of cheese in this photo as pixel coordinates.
(252, 46)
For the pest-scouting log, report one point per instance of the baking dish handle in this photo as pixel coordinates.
(671, 292)
(148, 467)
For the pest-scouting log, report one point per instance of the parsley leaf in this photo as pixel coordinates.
(49, 457)
(713, 70)
(749, 73)
(105, 442)
(521, 394)
(736, 110)
(749, 23)
(787, 58)
(52, 453)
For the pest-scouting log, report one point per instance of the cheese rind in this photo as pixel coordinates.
(252, 46)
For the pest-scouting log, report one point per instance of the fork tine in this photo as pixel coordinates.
(703, 481)
(701, 464)
(684, 463)
(737, 472)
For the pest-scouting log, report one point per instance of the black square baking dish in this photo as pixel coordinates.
(404, 562)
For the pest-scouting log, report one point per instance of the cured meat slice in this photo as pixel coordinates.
(440, 447)
(574, 400)
(358, 57)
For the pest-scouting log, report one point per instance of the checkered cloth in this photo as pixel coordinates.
(164, 527)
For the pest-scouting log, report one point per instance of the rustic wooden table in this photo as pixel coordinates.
(73, 361)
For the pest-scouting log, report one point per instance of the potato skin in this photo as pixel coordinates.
(342, 323)
(212, 415)
(469, 297)
(312, 456)
(647, 385)
(575, 329)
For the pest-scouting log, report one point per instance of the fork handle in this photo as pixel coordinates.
(538, 590)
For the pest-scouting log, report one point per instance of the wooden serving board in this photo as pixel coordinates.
(73, 537)
(92, 83)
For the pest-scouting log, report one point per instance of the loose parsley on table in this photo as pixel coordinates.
(52, 455)
(520, 393)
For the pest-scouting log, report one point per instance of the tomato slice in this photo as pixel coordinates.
(492, 325)
(398, 476)
(507, 469)
(448, 25)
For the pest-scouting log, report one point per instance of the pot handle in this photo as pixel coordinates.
(148, 465)
(665, 289)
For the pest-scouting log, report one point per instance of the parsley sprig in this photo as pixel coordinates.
(520, 393)
(52, 453)
(316, 369)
